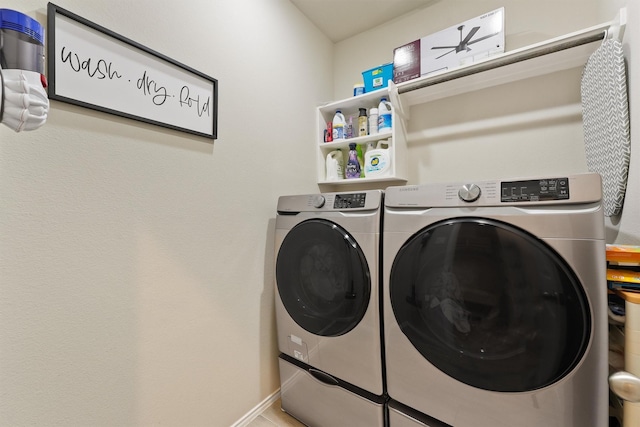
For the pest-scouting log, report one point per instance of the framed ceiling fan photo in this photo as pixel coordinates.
(463, 44)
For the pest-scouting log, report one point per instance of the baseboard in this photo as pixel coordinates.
(257, 410)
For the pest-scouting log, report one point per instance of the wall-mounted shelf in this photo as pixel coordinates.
(557, 54)
(350, 107)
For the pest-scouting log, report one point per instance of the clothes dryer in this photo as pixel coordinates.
(328, 307)
(495, 303)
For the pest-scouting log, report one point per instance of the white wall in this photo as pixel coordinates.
(526, 128)
(136, 282)
(625, 229)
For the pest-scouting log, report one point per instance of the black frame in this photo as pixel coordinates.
(53, 11)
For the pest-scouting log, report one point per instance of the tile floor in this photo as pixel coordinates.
(273, 416)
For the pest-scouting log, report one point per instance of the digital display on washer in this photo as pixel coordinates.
(349, 201)
(535, 190)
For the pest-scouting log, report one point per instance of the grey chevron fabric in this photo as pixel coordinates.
(605, 116)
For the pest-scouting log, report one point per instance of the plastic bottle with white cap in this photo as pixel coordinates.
(335, 166)
(373, 121)
(339, 126)
(384, 116)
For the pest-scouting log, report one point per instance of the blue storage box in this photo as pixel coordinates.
(377, 77)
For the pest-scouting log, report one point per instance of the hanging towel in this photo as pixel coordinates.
(605, 115)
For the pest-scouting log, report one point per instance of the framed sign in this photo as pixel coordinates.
(96, 68)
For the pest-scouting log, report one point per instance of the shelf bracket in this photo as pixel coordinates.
(396, 101)
(618, 25)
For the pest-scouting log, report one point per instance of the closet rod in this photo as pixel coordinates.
(501, 62)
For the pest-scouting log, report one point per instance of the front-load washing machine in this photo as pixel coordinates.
(494, 303)
(328, 308)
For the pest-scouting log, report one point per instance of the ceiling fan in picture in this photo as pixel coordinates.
(463, 46)
(467, 42)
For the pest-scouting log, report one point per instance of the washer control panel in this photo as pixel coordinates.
(366, 200)
(534, 190)
(349, 201)
(558, 190)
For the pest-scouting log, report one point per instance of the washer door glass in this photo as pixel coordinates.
(323, 278)
(490, 305)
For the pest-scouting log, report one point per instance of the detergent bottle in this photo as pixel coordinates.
(335, 166)
(360, 154)
(384, 116)
(377, 161)
(353, 165)
(339, 126)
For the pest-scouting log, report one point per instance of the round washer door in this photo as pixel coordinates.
(323, 278)
(490, 305)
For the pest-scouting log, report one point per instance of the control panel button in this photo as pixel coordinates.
(469, 193)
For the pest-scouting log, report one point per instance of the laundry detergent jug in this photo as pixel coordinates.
(335, 166)
(377, 161)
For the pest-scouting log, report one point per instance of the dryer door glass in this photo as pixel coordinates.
(323, 278)
(490, 305)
